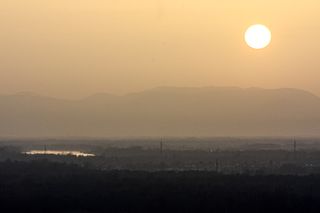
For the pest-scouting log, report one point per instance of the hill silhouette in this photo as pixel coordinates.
(165, 111)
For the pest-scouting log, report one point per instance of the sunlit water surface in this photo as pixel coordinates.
(58, 152)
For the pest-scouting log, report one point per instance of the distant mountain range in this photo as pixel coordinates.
(165, 111)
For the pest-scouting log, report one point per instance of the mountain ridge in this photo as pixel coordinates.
(165, 111)
(160, 88)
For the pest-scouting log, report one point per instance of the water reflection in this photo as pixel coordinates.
(58, 152)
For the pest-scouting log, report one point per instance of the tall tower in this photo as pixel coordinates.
(161, 146)
(294, 145)
(217, 165)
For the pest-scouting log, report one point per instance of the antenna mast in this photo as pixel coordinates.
(161, 146)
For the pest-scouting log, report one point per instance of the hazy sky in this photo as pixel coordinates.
(74, 48)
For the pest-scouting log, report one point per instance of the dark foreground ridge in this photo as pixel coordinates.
(42, 186)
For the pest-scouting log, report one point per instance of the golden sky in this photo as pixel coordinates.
(74, 48)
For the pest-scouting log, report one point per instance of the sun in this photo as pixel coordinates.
(258, 36)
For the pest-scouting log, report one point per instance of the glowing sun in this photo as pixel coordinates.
(258, 36)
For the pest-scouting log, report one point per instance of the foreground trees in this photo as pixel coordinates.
(41, 186)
